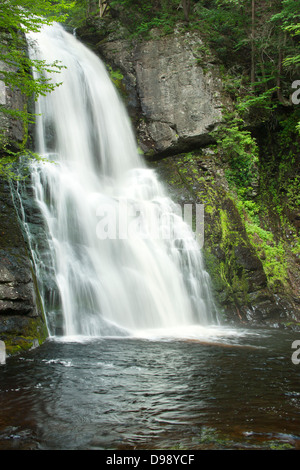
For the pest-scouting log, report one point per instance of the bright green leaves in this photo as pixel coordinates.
(17, 17)
(288, 19)
(240, 151)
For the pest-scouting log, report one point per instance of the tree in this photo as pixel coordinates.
(103, 5)
(186, 4)
(17, 17)
(252, 42)
(288, 19)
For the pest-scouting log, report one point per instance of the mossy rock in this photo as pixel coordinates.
(22, 320)
(236, 271)
(22, 333)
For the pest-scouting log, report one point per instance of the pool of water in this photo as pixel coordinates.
(224, 389)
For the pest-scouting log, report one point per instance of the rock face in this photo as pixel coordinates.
(180, 101)
(177, 98)
(11, 129)
(22, 323)
(238, 278)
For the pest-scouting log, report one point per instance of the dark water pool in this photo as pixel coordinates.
(236, 391)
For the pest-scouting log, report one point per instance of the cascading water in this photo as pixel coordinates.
(121, 256)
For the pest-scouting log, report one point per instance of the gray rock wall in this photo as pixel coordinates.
(22, 323)
(11, 129)
(178, 96)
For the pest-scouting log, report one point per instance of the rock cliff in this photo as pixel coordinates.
(175, 97)
(239, 280)
(22, 323)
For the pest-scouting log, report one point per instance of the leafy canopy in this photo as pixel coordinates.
(18, 17)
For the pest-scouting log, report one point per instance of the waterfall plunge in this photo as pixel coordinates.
(94, 183)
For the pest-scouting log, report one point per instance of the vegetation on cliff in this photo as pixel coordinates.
(17, 17)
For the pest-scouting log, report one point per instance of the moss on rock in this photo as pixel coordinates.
(22, 320)
(25, 334)
(239, 280)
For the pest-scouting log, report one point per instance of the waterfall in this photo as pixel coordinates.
(120, 257)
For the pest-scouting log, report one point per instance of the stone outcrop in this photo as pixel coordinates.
(174, 94)
(22, 323)
(12, 131)
(238, 278)
(180, 101)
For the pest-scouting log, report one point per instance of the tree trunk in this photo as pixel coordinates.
(186, 4)
(102, 7)
(253, 44)
(88, 8)
(279, 69)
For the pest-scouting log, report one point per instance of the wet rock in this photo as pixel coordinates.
(238, 278)
(22, 321)
(21, 313)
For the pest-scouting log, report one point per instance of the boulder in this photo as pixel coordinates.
(173, 95)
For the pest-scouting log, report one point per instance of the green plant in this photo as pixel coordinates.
(240, 150)
(17, 18)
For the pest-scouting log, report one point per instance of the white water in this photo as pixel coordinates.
(108, 217)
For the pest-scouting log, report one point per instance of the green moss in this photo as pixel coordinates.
(31, 334)
(209, 209)
(274, 445)
(212, 436)
(225, 228)
(224, 231)
(272, 253)
(19, 344)
(118, 79)
(216, 270)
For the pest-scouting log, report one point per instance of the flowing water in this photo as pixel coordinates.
(225, 389)
(136, 357)
(122, 257)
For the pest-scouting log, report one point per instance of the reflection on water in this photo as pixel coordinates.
(227, 388)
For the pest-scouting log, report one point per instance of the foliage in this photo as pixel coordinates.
(17, 18)
(279, 168)
(240, 150)
(257, 41)
(289, 20)
(144, 16)
(272, 253)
